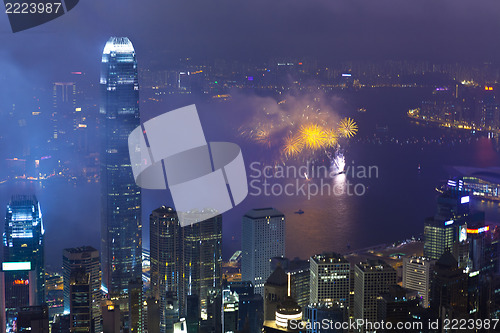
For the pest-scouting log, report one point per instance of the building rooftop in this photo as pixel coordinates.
(261, 213)
(330, 257)
(278, 277)
(118, 45)
(163, 210)
(374, 265)
(80, 249)
(447, 260)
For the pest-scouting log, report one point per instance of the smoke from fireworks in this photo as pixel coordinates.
(299, 126)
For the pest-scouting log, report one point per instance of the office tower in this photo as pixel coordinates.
(152, 318)
(250, 306)
(330, 280)
(417, 275)
(64, 110)
(135, 306)
(214, 320)
(33, 319)
(449, 289)
(165, 257)
(171, 311)
(84, 258)
(192, 313)
(447, 229)
(230, 303)
(60, 324)
(371, 278)
(300, 279)
(185, 261)
(317, 314)
(202, 255)
(275, 291)
(111, 322)
(397, 305)
(55, 294)
(18, 283)
(80, 297)
(23, 239)
(263, 237)
(121, 242)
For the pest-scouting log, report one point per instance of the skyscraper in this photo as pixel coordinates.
(185, 261)
(84, 258)
(416, 276)
(80, 295)
(263, 237)
(120, 197)
(330, 280)
(165, 257)
(23, 239)
(202, 255)
(447, 230)
(371, 278)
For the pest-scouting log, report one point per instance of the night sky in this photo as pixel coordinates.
(448, 31)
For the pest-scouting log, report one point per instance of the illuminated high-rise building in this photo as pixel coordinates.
(185, 261)
(371, 278)
(64, 110)
(80, 291)
(330, 280)
(121, 233)
(202, 260)
(84, 258)
(417, 276)
(165, 258)
(24, 240)
(23, 271)
(447, 230)
(263, 238)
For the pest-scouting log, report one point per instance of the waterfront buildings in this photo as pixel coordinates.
(330, 280)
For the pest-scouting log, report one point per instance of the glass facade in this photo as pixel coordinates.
(23, 238)
(121, 244)
(185, 261)
(84, 258)
(23, 255)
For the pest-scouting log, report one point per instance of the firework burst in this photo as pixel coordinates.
(332, 138)
(348, 127)
(292, 146)
(313, 136)
(298, 128)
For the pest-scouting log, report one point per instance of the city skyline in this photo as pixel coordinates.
(370, 135)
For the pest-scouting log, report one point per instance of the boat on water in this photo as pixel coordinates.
(300, 212)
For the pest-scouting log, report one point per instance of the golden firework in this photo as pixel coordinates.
(292, 145)
(348, 127)
(313, 136)
(332, 138)
(262, 136)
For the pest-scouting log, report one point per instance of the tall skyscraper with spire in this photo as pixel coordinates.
(120, 197)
